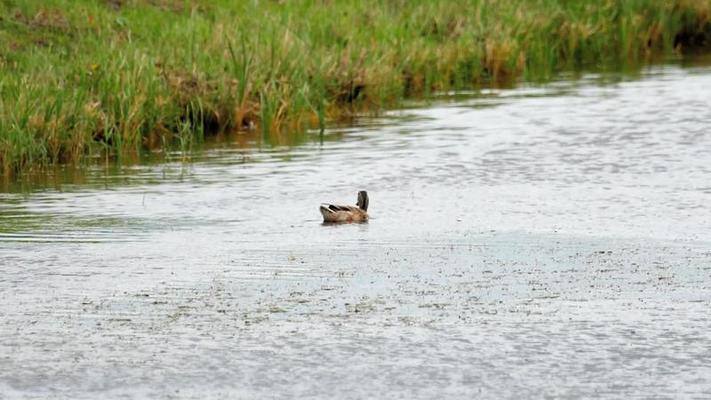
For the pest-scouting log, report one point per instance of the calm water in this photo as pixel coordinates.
(538, 242)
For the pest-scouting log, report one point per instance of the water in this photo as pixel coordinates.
(537, 242)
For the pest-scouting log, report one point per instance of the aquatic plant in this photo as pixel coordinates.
(81, 77)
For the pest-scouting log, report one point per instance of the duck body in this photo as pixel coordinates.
(337, 213)
(341, 213)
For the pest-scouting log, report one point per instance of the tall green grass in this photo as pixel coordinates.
(81, 77)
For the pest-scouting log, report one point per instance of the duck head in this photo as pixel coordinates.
(362, 202)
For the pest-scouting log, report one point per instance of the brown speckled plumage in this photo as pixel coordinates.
(339, 213)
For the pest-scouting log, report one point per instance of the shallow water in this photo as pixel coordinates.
(545, 241)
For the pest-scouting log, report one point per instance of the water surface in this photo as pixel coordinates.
(545, 241)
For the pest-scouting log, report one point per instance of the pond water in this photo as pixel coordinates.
(544, 241)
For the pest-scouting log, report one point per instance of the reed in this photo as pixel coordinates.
(88, 77)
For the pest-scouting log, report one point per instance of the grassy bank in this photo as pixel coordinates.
(86, 77)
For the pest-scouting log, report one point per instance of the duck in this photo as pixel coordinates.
(339, 213)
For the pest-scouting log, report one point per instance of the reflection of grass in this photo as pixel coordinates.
(20, 221)
(84, 76)
(14, 223)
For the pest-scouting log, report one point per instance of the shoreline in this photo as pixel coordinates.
(86, 78)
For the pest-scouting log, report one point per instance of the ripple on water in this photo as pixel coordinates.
(540, 241)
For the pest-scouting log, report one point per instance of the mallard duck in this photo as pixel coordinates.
(337, 213)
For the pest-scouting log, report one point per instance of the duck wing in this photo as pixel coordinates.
(336, 208)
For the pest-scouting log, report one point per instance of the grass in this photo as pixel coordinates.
(82, 78)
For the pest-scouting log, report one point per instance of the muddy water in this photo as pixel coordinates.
(538, 242)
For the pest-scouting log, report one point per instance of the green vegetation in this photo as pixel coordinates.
(92, 77)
